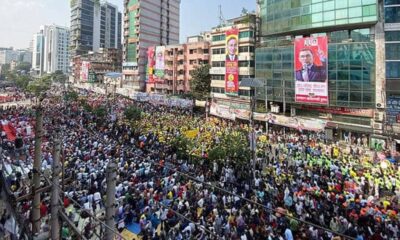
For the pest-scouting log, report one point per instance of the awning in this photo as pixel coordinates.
(350, 127)
(113, 75)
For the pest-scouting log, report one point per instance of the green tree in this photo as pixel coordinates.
(100, 112)
(59, 76)
(132, 113)
(22, 81)
(23, 66)
(71, 96)
(39, 86)
(200, 84)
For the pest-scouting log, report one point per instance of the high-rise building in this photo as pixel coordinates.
(232, 60)
(38, 54)
(343, 42)
(146, 23)
(50, 50)
(177, 62)
(94, 25)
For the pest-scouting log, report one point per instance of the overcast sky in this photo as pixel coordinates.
(20, 19)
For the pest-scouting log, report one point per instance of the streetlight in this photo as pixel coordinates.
(253, 83)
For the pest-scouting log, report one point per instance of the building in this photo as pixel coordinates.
(391, 11)
(146, 23)
(7, 55)
(38, 54)
(353, 60)
(50, 50)
(93, 66)
(179, 61)
(224, 70)
(94, 25)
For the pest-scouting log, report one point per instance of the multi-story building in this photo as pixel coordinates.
(50, 50)
(94, 25)
(146, 23)
(245, 26)
(354, 61)
(391, 13)
(7, 55)
(180, 61)
(38, 54)
(93, 66)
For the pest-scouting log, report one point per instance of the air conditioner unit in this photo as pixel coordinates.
(379, 106)
(378, 116)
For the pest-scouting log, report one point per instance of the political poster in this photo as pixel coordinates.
(150, 64)
(84, 74)
(160, 63)
(231, 62)
(311, 70)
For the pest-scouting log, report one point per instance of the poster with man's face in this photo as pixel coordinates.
(231, 62)
(311, 70)
(160, 63)
(150, 64)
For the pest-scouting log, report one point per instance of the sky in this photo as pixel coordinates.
(20, 19)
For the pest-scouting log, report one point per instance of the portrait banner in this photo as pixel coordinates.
(231, 62)
(311, 70)
(85, 71)
(150, 64)
(160, 63)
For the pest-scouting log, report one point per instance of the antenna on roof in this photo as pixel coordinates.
(222, 21)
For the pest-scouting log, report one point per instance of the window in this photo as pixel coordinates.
(218, 64)
(392, 14)
(216, 38)
(246, 34)
(393, 69)
(393, 51)
(392, 2)
(392, 36)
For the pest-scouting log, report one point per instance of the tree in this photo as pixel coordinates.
(59, 76)
(39, 86)
(100, 112)
(200, 84)
(132, 113)
(23, 67)
(22, 81)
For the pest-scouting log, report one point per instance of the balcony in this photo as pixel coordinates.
(246, 71)
(217, 70)
(180, 87)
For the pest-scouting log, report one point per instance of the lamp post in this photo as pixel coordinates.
(253, 83)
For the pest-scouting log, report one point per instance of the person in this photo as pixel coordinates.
(310, 72)
(232, 49)
(160, 60)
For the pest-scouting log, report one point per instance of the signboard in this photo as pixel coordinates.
(341, 110)
(150, 64)
(84, 74)
(393, 109)
(311, 70)
(231, 62)
(160, 62)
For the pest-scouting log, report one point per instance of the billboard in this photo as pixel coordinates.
(393, 109)
(311, 70)
(150, 64)
(160, 62)
(231, 62)
(84, 74)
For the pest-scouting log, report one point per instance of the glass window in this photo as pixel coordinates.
(343, 96)
(392, 2)
(392, 36)
(392, 14)
(341, 4)
(355, 96)
(353, 3)
(355, 12)
(316, 8)
(368, 2)
(329, 16)
(369, 10)
(393, 51)
(330, 5)
(393, 69)
(341, 13)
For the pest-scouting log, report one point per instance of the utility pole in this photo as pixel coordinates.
(252, 132)
(55, 225)
(110, 200)
(36, 170)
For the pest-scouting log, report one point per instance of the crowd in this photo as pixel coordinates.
(303, 187)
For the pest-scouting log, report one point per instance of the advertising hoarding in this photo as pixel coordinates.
(311, 70)
(150, 64)
(231, 62)
(85, 71)
(160, 63)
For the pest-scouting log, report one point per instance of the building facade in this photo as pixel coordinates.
(93, 66)
(50, 50)
(355, 58)
(179, 61)
(94, 25)
(146, 23)
(219, 51)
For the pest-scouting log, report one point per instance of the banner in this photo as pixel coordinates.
(150, 65)
(231, 62)
(84, 71)
(393, 109)
(222, 111)
(341, 110)
(311, 70)
(160, 63)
